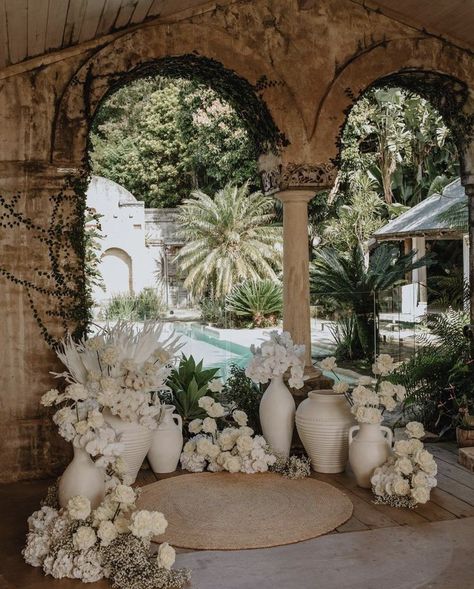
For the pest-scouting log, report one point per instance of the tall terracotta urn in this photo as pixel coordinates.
(136, 440)
(370, 448)
(323, 421)
(277, 415)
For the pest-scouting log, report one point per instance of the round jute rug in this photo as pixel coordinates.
(223, 511)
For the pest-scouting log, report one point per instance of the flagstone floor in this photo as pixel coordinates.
(431, 547)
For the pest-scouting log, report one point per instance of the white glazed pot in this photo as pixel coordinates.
(277, 415)
(323, 421)
(136, 440)
(368, 450)
(82, 477)
(167, 442)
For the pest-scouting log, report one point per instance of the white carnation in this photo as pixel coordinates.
(146, 524)
(79, 507)
(84, 538)
(216, 410)
(329, 363)
(50, 398)
(124, 495)
(340, 387)
(195, 426)
(240, 417)
(107, 532)
(209, 425)
(215, 386)
(206, 402)
(166, 556)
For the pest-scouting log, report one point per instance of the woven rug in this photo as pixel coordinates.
(223, 511)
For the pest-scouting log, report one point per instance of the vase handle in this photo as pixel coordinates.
(353, 429)
(179, 421)
(389, 436)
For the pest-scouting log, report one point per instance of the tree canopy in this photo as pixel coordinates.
(162, 138)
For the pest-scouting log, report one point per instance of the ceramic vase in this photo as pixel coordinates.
(369, 449)
(323, 421)
(167, 442)
(136, 440)
(82, 477)
(277, 415)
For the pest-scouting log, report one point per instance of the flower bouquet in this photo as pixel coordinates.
(113, 378)
(111, 541)
(407, 477)
(232, 448)
(270, 361)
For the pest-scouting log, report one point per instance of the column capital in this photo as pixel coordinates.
(295, 195)
(298, 176)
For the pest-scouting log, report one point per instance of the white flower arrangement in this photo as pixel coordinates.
(109, 542)
(121, 369)
(406, 479)
(274, 357)
(371, 396)
(233, 448)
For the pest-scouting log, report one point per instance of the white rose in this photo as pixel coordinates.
(107, 532)
(329, 363)
(166, 556)
(123, 494)
(79, 507)
(206, 402)
(415, 429)
(50, 398)
(402, 448)
(401, 487)
(404, 465)
(426, 462)
(421, 494)
(420, 479)
(415, 445)
(195, 426)
(84, 538)
(215, 386)
(240, 417)
(216, 410)
(209, 425)
(340, 387)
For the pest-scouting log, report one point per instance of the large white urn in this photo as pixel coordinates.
(167, 442)
(82, 477)
(136, 440)
(323, 421)
(369, 449)
(277, 415)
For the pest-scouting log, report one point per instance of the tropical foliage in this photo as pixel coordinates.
(240, 391)
(145, 305)
(260, 302)
(439, 378)
(229, 239)
(188, 383)
(161, 138)
(353, 284)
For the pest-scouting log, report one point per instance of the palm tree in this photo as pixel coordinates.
(352, 284)
(229, 239)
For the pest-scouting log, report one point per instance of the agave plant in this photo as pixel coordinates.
(229, 238)
(353, 285)
(260, 301)
(188, 383)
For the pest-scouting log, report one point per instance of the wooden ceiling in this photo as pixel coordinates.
(29, 28)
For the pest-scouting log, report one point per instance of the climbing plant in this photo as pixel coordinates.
(60, 288)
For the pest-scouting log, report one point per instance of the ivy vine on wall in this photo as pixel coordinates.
(61, 289)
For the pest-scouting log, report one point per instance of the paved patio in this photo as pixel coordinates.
(430, 547)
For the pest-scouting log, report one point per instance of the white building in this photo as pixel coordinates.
(138, 244)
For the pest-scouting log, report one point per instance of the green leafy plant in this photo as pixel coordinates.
(229, 238)
(188, 383)
(145, 305)
(438, 376)
(260, 302)
(353, 284)
(241, 392)
(213, 312)
(344, 333)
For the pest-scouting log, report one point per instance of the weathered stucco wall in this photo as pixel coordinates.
(307, 65)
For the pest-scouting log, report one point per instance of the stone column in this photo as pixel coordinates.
(419, 275)
(296, 311)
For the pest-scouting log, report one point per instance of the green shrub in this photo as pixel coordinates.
(188, 383)
(213, 312)
(240, 391)
(259, 302)
(145, 305)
